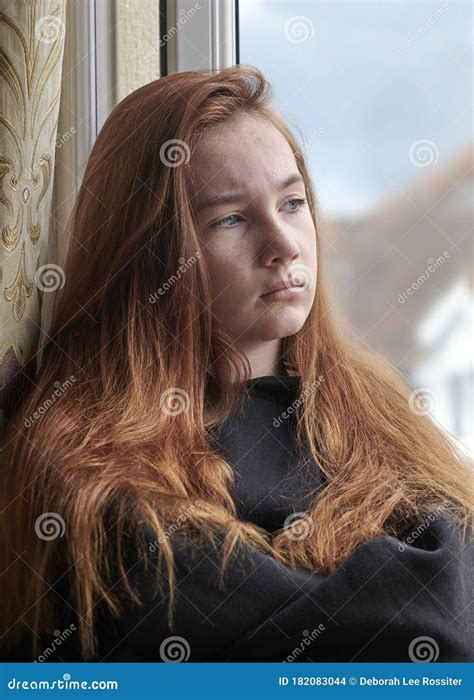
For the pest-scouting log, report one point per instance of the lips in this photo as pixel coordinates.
(281, 285)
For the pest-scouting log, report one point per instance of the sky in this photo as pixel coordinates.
(369, 82)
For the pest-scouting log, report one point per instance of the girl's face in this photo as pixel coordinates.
(258, 235)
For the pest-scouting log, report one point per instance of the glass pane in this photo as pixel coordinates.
(381, 93)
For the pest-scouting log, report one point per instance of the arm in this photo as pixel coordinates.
(374, 607)
(389, 601)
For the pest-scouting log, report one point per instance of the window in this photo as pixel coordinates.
(380, 92)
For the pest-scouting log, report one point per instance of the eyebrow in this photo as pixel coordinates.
(239, 196)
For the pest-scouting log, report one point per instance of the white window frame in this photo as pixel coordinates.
(203, 35)
(200, 34)
(92, 73)
(106, 55)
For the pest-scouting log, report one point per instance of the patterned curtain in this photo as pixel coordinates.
(32, 44)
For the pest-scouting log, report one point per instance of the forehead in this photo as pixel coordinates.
(245, 152)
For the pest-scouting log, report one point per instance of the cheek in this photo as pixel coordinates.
(228, 269)
(310, 248)
(229, 291)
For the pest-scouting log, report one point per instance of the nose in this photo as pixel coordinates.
(279, 244)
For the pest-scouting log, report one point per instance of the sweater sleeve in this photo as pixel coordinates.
(391, 600)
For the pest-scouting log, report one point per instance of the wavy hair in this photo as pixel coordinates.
(130, 439)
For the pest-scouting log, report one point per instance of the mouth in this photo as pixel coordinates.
(283, 285)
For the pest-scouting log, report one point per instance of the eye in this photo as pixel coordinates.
(221, 223)
(298, 202)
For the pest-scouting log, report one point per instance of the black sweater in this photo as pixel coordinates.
(391, 600)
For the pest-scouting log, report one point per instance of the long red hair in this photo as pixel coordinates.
(131, 435)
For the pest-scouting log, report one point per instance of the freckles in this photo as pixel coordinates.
(229, 266)
(223, 273)
(231, 258)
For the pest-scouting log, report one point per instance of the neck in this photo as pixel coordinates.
(265, 359)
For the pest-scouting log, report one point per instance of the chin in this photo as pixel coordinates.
(282, 325)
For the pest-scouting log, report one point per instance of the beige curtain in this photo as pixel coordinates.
(32, 42)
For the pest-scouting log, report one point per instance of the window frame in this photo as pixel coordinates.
(91, 74)
(206, 38)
